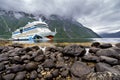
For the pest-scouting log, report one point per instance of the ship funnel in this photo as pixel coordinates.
(40, 19)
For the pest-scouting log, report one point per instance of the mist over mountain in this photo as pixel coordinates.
(66, 27)
(99, 15)
(111, 35)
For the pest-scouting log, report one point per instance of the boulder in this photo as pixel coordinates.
(105, 45)
(9, 76)
(49, 63)
(90, 58)
(33, 75)
(117, 67)
(93, 50)
(116, 49)
(21, 52)
(107, 52)
(60, 64)
(31, 66)
(60, 49)
(55, 73)
(53, 57)
(101, 67)
(117, 45)
(64, 73)
(17, 58)
(20, 75)
(17, 68)
(40, 52)
(109, 60)
(39, 58)
(25, 57)
(1, 48)
(6, 49)
(51, 49)
(95, 44)
(3, 57)
(27, 49)
(74, 50)
(35, 47)
(2, 66)
(79, 69)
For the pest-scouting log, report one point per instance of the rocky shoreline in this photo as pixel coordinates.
(60, 63)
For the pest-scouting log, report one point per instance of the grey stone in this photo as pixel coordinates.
(101, 67)
(17, 68)
(33, 75)
(105, 45)
(35, 47)
(49, 63)
(39, 58)
(93, 50)
(2, 66)
(31, 66)
(55, 73)
(117, 45)
(64, 73)
(107, 52)
(80, 69)
(9, 76)
(95, 44)
(20, 75)
(74, 50)
(90, 58)
(109, 60)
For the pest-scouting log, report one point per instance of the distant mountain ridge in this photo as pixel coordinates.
(111, 35)
(66, 28)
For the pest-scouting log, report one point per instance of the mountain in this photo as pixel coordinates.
(111, 35)
(66, 28)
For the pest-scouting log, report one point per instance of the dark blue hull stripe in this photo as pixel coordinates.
(25, 30)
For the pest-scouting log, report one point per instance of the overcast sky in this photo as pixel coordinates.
(99, 15)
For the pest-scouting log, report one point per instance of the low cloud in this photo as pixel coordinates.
(99, 15)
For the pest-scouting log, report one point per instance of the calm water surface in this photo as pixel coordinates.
(104, 40)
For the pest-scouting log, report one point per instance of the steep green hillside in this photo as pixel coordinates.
(9, 23)
(66, 28)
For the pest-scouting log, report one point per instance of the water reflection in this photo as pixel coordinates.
(105, 40)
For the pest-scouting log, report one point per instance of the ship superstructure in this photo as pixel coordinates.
(36, 30)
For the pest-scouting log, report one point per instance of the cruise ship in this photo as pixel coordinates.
(36, 30)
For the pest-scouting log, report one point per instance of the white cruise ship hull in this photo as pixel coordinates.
(41, 36)
(32, 32)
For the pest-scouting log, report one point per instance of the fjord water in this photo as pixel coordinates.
(79, 40)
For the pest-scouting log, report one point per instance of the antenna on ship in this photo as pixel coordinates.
(55, 30)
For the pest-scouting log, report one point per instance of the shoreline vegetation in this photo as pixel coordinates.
(47, 44)
(61, 61)
(44, 44)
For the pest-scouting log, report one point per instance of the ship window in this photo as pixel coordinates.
(41, 25)
(21, 30)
